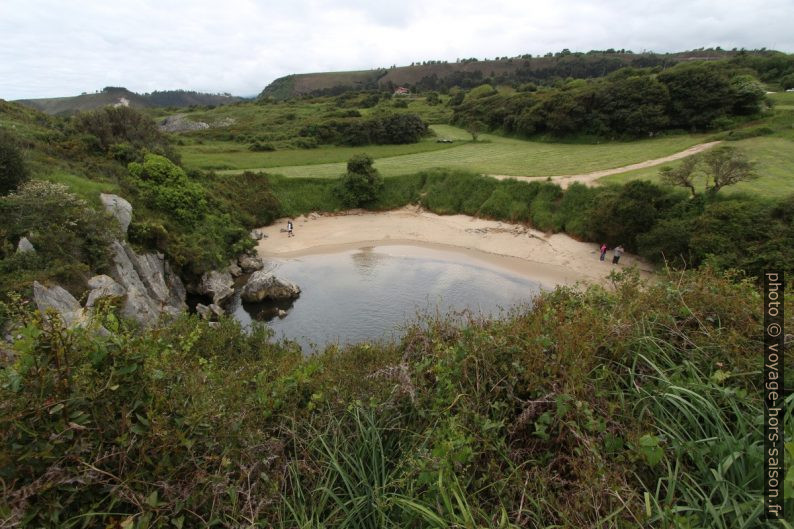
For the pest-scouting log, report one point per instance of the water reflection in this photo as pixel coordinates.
(385, 288)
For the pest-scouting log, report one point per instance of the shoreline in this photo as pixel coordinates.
(550, 259)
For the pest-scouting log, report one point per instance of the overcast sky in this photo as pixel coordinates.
(52, 48)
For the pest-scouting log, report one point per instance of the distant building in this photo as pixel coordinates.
(401, 91)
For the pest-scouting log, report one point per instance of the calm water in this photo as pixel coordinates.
(372, 293)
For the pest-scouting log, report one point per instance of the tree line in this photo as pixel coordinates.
(628, 103)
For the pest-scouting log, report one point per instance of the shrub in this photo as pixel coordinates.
(361, 184)
(12, 166)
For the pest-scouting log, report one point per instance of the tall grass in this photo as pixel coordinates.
(711, 434)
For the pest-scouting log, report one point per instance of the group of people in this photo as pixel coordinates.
(616, 253)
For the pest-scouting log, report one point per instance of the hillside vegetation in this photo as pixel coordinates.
(515, 71)
(119, 96)
(632, 407)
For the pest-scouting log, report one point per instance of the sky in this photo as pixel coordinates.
(54, 48)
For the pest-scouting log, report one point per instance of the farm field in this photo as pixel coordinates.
(498, 155)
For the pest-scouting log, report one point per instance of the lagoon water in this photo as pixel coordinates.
(373, 293)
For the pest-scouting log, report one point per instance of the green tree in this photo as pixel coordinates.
(361, 184)
(12, 166)
(727, 166)
(683, 175)
(474, 128)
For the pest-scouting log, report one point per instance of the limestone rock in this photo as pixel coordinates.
(257, 235)
(180, 123)
(25, 246)
(119, 208)
(250, 264)
(234, 269)
(103, 286)
(212, 312)
(264, 285)
(137, 305)
(216, 284)
(58, 299)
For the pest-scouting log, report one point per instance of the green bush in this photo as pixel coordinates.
(361, 184)
(13, 170)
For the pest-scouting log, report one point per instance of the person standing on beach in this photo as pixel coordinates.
(289, 229)
(617, 253)
(603, 251)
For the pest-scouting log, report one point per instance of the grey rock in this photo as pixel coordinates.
(257, 235)
(203, 311)
(60, 300)
(216, 284)
(250, 264)
(119, 208)
(214, 324)
(217, 310)
(138, 305)
(234, 269)
(282, 314)
(264, 285)
(103, 286)
(25, 246)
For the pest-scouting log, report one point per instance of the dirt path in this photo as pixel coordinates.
(591, 178)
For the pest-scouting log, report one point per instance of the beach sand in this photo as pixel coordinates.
(552, 260)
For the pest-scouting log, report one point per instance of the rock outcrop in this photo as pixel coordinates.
(250, 264)
(103, 287)
(60, 300)
(25, 246)
(151, 286)
(264, 285)
(217, 285)
(119, 208)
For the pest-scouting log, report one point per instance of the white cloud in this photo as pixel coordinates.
(52, 48)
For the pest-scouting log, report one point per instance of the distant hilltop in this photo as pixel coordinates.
(467, 73)
(119, 96)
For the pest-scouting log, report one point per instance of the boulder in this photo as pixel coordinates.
(58, 299)
(264, 285)
(103, 286)
(234, 269)
(256, 235)
(119, 208)
(250, 264)
(212, 312)
(25, 246)
(218, 285)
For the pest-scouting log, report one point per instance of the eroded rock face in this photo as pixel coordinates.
(58, 299)
(234, 269)
(250, 264)
(102, 287)
(264, 285)
(119, 208)
(151, 286)
(218, 285)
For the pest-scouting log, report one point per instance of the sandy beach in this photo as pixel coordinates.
(553, 260)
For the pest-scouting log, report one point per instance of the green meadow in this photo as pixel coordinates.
(492, 154)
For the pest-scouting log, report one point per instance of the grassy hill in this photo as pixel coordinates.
(110, 96)
(466, 73)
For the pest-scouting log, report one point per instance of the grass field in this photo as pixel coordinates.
(230, 155)
(499, 155)
(775, 165)
(773, 155)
